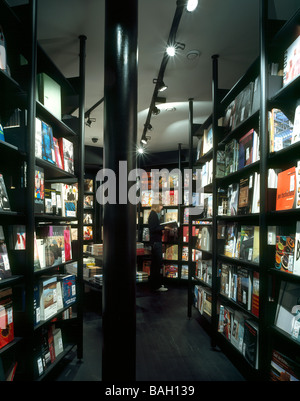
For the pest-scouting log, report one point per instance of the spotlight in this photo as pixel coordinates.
(191, 5)
(171, 49)
(155, 111)
(140, 150)
(145, 139)
(89, 121)
(161, 86)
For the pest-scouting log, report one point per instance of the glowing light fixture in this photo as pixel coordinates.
(171, 49)
(191, 5)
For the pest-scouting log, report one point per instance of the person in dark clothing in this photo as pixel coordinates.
(155, 230)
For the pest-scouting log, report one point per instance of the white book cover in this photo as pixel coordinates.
(291, 66)
(296, 127)
(296, 269)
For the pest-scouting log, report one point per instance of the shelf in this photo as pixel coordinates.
(52, 172)
(283, 275)
(44, 322)
(235, 261)
(237, 175)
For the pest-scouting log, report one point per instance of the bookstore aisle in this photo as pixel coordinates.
(170, 347)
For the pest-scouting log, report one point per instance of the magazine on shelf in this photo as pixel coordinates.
(5, 270)
(280, 130)
(4, 200)
(286, 189)
(48, 153)
(291, 62)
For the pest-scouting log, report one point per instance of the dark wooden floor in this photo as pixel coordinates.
(169, 345)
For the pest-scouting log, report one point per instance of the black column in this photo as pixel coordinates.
(119, 220)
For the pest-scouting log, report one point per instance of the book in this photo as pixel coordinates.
(296, 125)
(284, 256)
(68, 285)
(38, 138)
(255, 294)
(172, 223)
(2, 136)
(231, 156)
(296, 267)
(39, 193)
(225, 281)
(230, 240)
(48, 298)
(58, 160)
(3, 59)
(243, 105)
(287, 311)
(286, 189)
(245, 195)
(170, 271)
(225, 321)
(48, 152)
(244, 287)
(4, 200)
(250, 346)
(280, 130)
(237, 330)
(67, 154)
(58, 341)
(247, 242)
(5, 269)
(6, 317)
(291, 62)
(283, 368)
(232, 199)
(246, 150)
(49, 94)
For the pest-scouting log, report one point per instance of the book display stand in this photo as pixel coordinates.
(247, 287)
(41, 209)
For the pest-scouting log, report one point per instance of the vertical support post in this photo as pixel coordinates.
(179, 209)
(29, 274)
(214, 193)
(190, 263)
(119, 222)
(81, 157)
(263, 229)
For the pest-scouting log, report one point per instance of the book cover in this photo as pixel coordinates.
(243, 105)
(232, 199)
(48, 298)
(68, 282)
(67, 154)
(285, 250)
(296, 125)
(68, 243)
(288, 309)
(286, 189)
(237, 330)
(247, 242)
(2, 137)
(245, 195)
(280, 130)
(225, 287)
(6, 317)
(57, 154)
(255, 294)
(283, 368)
(246, 149)
(230, 240)
(250, 346)
(244, 289)
(291, 62)
(38, 138)
(296, 267)
(171, 271)
(48, 153)
(5, 269)
(39, 192)
(49, 93)
(4, 200)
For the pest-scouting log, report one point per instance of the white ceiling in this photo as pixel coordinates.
(228, 28)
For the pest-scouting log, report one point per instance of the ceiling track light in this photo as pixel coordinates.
(89, 121)
(145, 139)
(172, 48)
(161, 86)
(155, 111)
(191, 5)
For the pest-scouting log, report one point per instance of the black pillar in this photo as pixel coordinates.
(119, 220)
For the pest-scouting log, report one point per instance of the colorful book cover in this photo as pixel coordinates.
(4, 201)
(286, 189)
(291, 63)
(47, 143)
(5, 270)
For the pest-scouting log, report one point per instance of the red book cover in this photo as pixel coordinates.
(255, 294)
(286, 189)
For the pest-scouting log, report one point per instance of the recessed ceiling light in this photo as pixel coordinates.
(193, 54)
